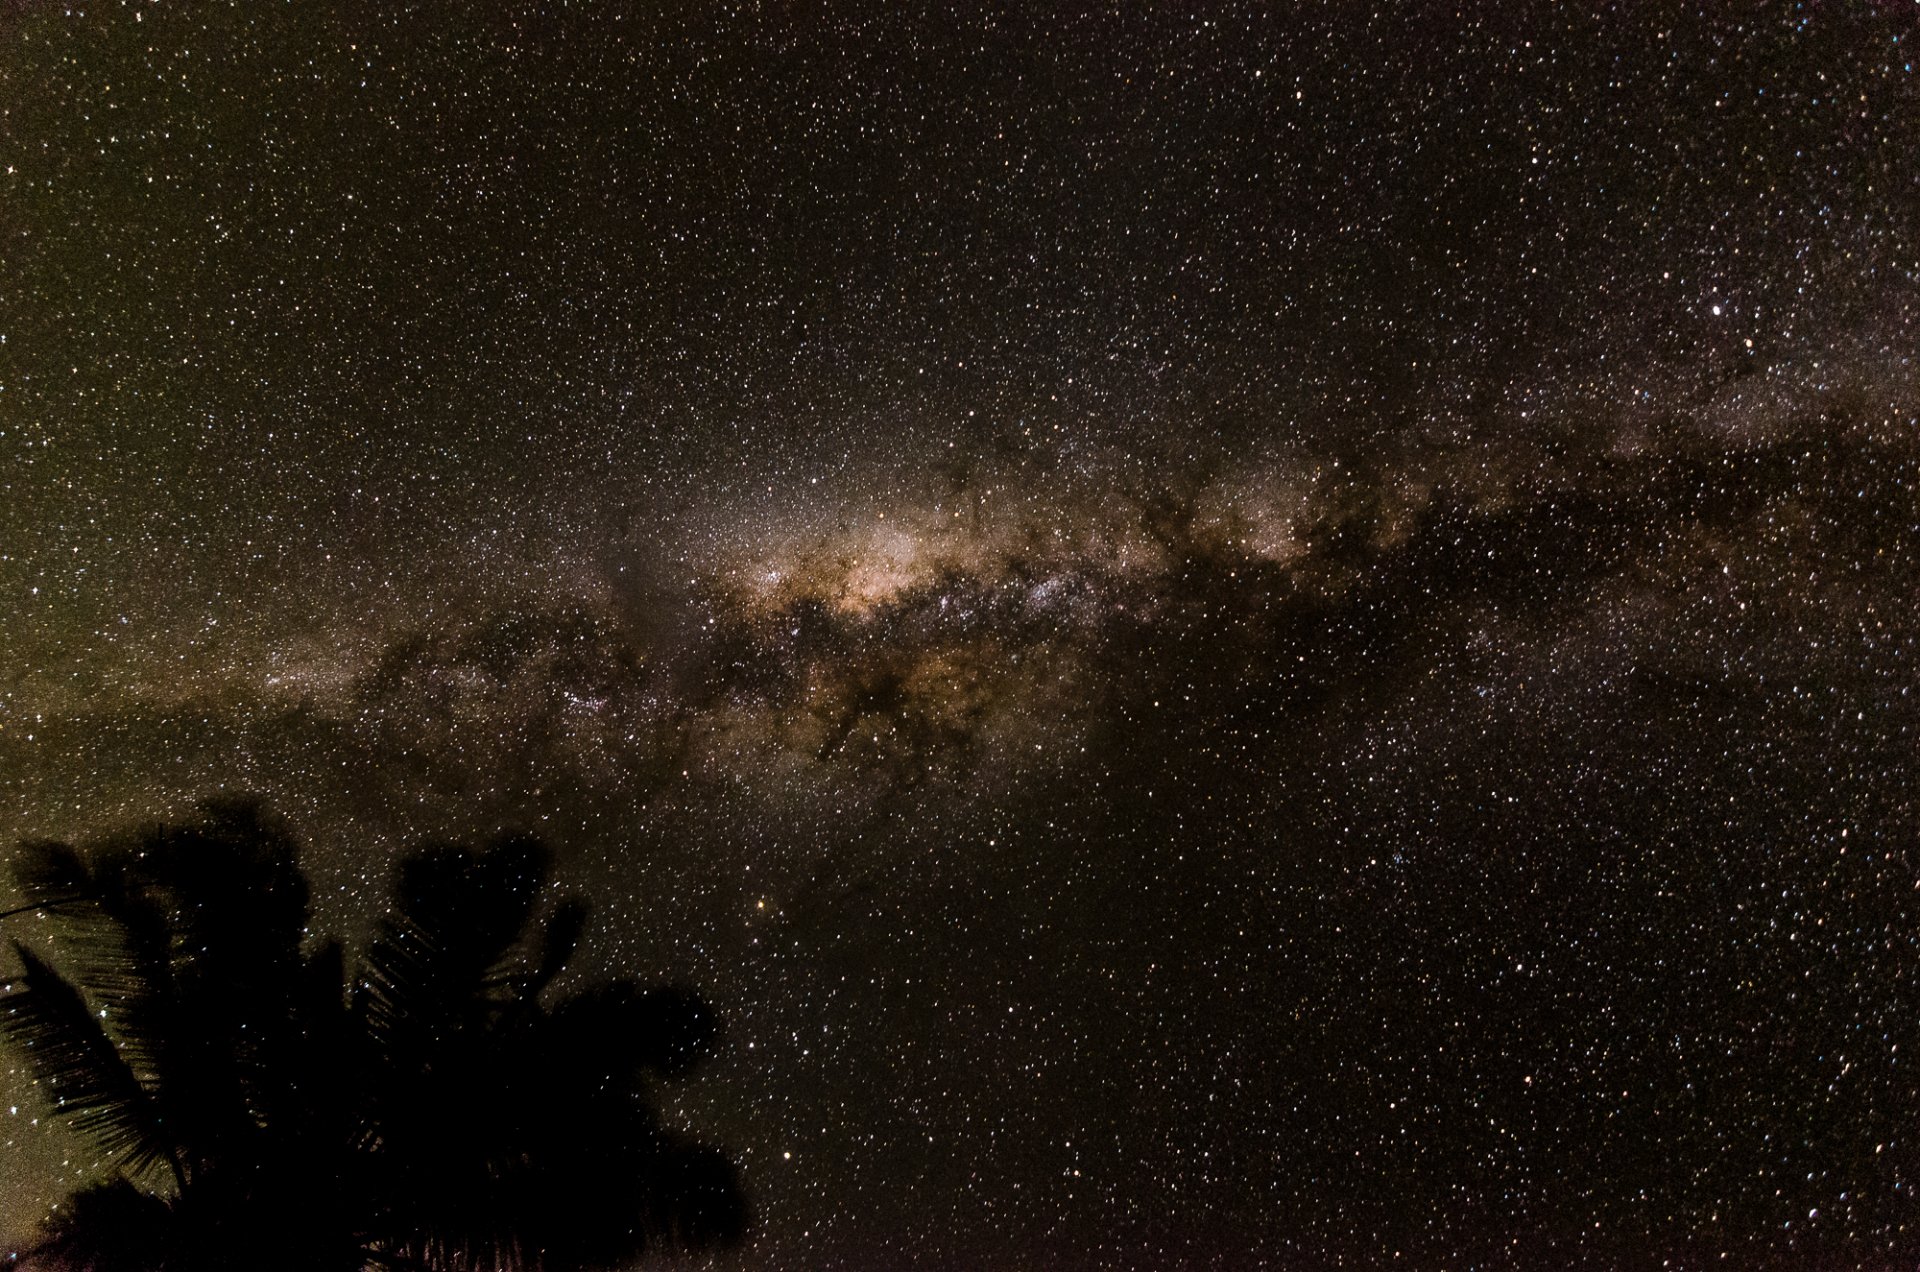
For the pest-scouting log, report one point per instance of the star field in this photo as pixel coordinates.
(1225, 638)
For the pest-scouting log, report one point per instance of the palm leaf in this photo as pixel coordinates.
(434, 969)
(239, 902)
(235, 908)
(117, 935)
(108, 1227)
(565, 925)
(173, 942)
(49, 873)
(86, 1079)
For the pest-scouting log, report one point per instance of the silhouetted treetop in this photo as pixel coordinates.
(441, 1106)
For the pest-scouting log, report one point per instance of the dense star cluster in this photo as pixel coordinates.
(1225, 635)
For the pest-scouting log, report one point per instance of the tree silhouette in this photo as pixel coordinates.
(442, 1108)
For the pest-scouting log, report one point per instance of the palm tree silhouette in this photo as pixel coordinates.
(443, 1108)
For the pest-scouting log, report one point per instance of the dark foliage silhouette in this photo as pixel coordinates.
(442, 1108)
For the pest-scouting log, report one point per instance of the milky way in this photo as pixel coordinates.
(1225, 638)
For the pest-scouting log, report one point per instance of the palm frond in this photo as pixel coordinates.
(477, 903)
(115, 934)
(86, 1079)
(319, 1059)
(565, 925)
(433, 966)
(50, 873)
(239, 901)
(236, 906)
(438, 1112)
(108, 1227)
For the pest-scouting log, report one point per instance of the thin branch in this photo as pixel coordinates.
(57, 902)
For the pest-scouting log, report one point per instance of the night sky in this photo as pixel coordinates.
(1226, 638)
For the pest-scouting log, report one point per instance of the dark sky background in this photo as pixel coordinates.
(1227, 637)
